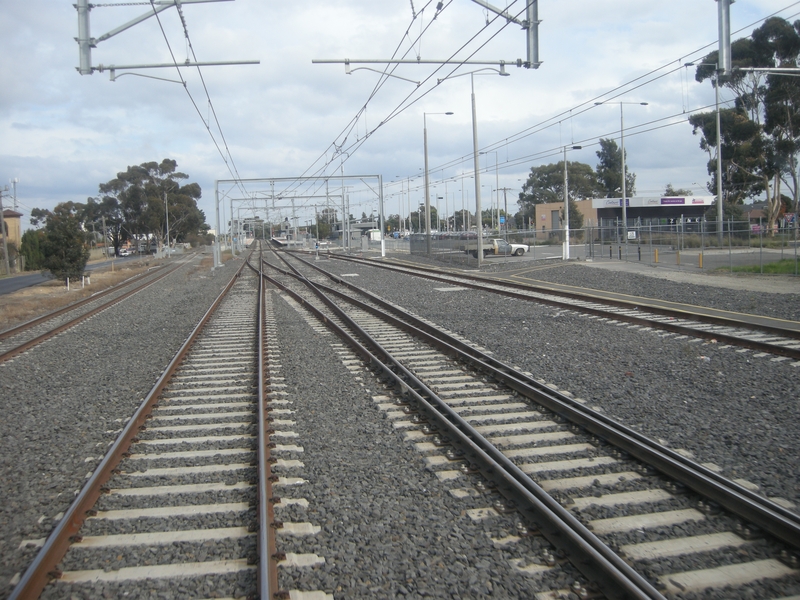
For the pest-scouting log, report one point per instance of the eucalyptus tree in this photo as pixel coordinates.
(64, 246)
(149, 196)
(609, 170)
(545, 184)
(760, 134)
(671, 191)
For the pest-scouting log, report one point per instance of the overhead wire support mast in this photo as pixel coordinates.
(86, 42)
(530, 25)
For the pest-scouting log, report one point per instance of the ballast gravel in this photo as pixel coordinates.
(752, 293)
(65, 401)
(389, 527)
(539, 339)
(729, 407)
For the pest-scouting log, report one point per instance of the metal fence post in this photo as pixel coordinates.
(730, 242)
(702, 239)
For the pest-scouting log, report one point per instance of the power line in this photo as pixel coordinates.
(589, 104)
(338, 150)
(233, 171)
(407, 102)
(205, 89)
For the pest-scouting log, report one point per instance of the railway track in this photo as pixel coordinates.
(180, 503)
(23, 337)
(634, 517)
(761, 334)
(183, 505)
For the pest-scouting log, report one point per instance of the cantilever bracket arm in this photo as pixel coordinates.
(160, 6)
(349, 71)
(530, 25)
(499, 11)
(86, 42)
(399, 61)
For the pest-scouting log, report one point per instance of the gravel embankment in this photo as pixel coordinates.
(64, 401)
(726, 407)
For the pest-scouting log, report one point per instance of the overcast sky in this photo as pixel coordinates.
(62, 133)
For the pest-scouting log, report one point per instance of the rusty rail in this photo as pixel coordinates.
(43, 568)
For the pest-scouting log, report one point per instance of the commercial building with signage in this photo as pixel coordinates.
(647, 210)
(641, 210)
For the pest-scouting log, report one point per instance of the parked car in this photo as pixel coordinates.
(124, 252)
(494, 246)
(515, 249)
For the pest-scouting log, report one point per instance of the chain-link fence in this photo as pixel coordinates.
(681, 244)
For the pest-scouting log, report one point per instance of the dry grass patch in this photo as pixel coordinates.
(29, 303)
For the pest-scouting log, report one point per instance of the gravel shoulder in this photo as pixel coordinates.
(774, 296)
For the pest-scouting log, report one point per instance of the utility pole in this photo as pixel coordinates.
(505, 203)
(14, 182)
(4, 232)
(166, 209)
(105, 237)
(294, 222)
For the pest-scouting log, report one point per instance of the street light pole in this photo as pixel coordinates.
(427, 189)
(478, 216)
(565, 253)
(166, 209)
(624, 181)
(427, 181)
(719, 163)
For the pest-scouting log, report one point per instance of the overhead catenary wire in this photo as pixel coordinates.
(348, 151)
(343, 151)
(338, 150)
(348, 129)
(615, 92)
(230, 165)
(632, 131)
(205, 89)
(407, 102)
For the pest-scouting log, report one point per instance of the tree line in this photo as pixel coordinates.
(134, 207)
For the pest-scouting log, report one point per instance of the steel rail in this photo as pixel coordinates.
(16, 351)
(484, 283)
(52, 315)
(641, 302)
(769, 516)
(44, 567)
(267, 548)
(586, 552)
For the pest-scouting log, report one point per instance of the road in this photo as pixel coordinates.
(19, 282)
